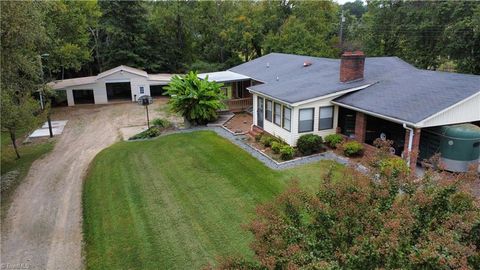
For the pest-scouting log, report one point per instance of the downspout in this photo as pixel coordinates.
(410, 142)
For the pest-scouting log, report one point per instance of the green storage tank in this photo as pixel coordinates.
(458, 145)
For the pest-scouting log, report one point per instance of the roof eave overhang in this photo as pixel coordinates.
(424, 122)
(293, 104)
(388, 118)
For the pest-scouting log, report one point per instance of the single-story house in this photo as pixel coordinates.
(361, 97)
(120, 83)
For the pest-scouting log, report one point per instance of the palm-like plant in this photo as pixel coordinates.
(196, 100)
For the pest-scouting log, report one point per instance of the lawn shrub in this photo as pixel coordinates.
(287, 152)
(333, 140)
(149, 133)
(352, 148)
(309, 143)
(276, 146)
(393, 166)
(162, 123)
(267, 140)
(258, 137)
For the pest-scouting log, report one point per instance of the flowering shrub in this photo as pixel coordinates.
(355, 223)
(352, 148)
(333, 140)
(393, 166)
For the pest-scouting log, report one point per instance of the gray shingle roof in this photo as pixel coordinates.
(400, 90)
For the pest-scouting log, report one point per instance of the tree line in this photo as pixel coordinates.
(47, 40)
(87, 37)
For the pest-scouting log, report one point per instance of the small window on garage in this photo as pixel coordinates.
(325, 118)
(142, 90)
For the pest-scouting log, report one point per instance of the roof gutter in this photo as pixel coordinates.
(270, 97)
(391, 119)
(410, 142)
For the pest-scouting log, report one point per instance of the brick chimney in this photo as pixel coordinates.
(352, 66)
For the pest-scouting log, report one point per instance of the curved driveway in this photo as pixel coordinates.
(43, 226)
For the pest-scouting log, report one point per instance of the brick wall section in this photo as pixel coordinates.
(360, 127)
(352, 66)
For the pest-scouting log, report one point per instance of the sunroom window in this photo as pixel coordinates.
(287, 116)
(268, 110)
(277, 114)
(305, 120)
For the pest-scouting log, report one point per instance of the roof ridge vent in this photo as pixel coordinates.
(307, 64)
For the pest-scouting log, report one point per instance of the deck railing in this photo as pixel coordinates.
(239, 104)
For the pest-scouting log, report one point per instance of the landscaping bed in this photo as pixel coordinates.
(276, 149)
(158, 126)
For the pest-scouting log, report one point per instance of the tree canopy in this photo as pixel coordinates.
(87, 37)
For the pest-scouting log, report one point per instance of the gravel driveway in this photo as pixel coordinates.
(43, 226)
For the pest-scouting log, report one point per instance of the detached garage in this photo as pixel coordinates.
(122, 83)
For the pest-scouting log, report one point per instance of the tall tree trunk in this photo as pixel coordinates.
(97, 49)
(14, 143)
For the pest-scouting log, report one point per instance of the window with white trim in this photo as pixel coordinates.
(325, 119)
(142, 90)
(305, 120)
(268, 110)
(277, 114)
(287, 118)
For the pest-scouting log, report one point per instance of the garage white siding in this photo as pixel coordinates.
(137, 79)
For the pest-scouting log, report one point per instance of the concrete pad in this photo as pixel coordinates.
(56, 124)
(57, 129)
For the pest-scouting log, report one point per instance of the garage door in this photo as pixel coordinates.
(119, 91)
(83, 96)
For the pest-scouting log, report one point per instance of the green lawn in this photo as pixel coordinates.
(28, 152)
(177, 202)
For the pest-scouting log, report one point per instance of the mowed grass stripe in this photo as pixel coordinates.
(176, 202)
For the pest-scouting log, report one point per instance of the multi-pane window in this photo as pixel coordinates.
(287, 116)
(268, 110)
(325, 120)
(277, 114)
(305, 120)
(142, 90)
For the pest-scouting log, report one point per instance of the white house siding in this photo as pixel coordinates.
(292, 136)
(316, 105)
(463, 112)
